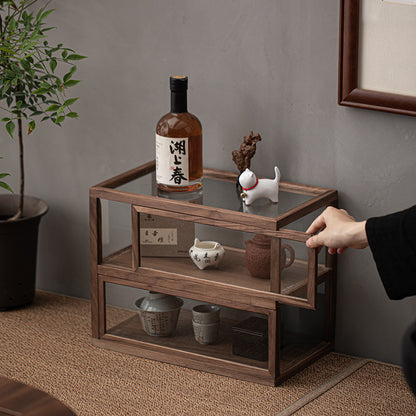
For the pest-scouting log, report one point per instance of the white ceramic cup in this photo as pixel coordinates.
(205, 314)
(206, 333)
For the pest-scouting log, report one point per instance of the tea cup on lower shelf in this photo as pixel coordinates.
(206, 333)
(205, 314)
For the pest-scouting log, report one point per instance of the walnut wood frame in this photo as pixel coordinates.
(132, 273)
(349, 92)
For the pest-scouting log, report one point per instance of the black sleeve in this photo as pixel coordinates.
(392, 240)
(409, 356)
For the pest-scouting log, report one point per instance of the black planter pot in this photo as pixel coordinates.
(18, 250)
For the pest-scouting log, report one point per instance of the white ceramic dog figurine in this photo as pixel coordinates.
(254, 188)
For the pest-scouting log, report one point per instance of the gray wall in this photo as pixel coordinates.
(269, 66)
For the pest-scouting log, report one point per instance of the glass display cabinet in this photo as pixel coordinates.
(277, 315)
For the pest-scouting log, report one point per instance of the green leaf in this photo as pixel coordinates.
(41, 91)
(70, 101)
(10, 128)
(53, 107)
(44, 15)
(64, 54)
(59, 119)
(67, 76)
(12, 24)
(5, 186)
(6, 49)
(60, 110)
(29, 45)
(53, 64)
(25, 64)
(75, 57)
(32, 125)
(3, 175)
(71, 83)
(72, 114)
(39, 14)
(4, 119)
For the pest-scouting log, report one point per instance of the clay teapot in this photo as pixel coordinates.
(258, 253)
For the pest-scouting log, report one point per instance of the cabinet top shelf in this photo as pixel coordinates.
(218, 199)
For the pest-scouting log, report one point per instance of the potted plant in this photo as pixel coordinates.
(31, 88)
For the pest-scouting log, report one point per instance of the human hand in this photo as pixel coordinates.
(338, 231)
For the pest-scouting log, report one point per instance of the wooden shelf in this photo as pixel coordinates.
(297, 348)
(232, 270)
(184, 340)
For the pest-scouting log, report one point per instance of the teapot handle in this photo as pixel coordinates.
(291, 258)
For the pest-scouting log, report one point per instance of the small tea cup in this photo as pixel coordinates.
(206, 333)
(205, 314)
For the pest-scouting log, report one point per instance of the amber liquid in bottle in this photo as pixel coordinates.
(179, 144)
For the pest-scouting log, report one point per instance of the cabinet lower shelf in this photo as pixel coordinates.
(232, 270)
(182, 349)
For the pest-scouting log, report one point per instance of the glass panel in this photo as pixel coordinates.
(303, 331)
(294, 268)
(143, 185)
(239, 259)
(220, 194)
(116, 226)
(221, 332)
(302, 225)
(223, 263)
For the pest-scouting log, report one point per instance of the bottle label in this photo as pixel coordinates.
(172, 161)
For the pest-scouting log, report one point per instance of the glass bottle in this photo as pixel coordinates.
(179, 144)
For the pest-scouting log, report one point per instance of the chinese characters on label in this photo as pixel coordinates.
(158, 236)
(172, 162)
(178, 150)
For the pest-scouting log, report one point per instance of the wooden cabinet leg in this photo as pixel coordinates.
(135, 231)
(95, 259)
(274, 342)
(275, 247)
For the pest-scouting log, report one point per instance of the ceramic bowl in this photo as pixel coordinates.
(206, 253)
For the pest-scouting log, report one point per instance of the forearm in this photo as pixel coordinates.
(357, 235)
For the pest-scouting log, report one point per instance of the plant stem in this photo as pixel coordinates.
(19, 213)
(22, 169)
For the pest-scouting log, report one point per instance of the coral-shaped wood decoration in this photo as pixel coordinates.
(247, 150)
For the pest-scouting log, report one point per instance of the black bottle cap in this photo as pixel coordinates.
(178, 83)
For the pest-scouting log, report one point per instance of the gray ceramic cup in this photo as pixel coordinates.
(206, 333)
(206, 314)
